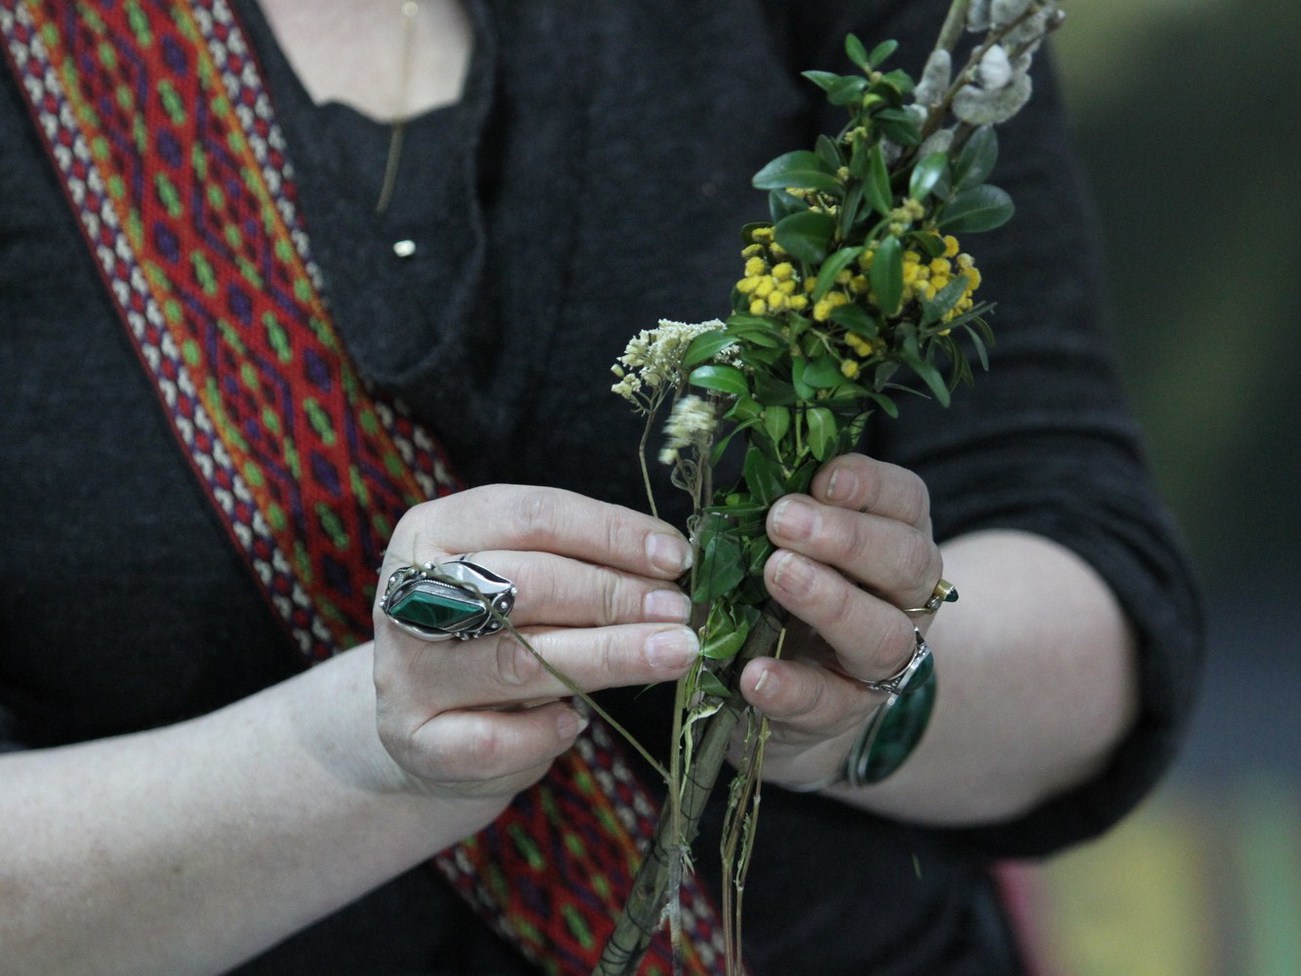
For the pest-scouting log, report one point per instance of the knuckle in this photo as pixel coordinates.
(516, 664)
(919, 558)
(894, 648)
(872, 488)
(416, 523)
(809, 698)
(618, 529)
(881, 653)
(544, 591)
(534, 514)
(613, 596)
(917, 499)
(835, 600)
(488, 748)
(605, 656)
(476, 752)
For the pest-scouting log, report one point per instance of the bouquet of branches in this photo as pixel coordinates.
(856, 287)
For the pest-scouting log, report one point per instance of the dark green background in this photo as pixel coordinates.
(1186, 113)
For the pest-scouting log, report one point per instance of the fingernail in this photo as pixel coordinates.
(668, 553)
(672, 650)
(672, 605)
(793, 573)
(569, 723)
(840, 485)
(766, 686)
(792, 518)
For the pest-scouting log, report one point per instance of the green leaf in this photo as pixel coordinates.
(849, 209)
(859, 161)
(976, 159)
(755, 330)
(710, 684)
(980, 208)
(928, 243)
(806, 235)
(841, 89)
(932, 378)
(763, 476)
(773, 392)
(823, 434)
(831, 267)
(849, 91)
(799, 168)
(881, 52)
(758, 550)
(744, 409)
(926, 174)
(724, 379)
(886, 275)
(827, 80)
(877, 183)
(721, 444)
(822, 373)
(827, 151)
(782, 204)
(857, 52)
(724, 644)
(856, 319)
(933, 310)
(899, 126)
(776, 422)
(899, 80)
(706, 346)
(886, 404)
(979, 342)
(802, 390)
(798, 483)
(722, 563)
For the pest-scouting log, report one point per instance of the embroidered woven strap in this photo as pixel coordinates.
(156, 120)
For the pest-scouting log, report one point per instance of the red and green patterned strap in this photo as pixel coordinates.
(155, 117)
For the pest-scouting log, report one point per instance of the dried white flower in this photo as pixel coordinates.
(936, 78)
(978, 15)
(654, 357)
(691, 424)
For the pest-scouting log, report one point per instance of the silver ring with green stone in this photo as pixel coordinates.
(897, 724)
(439, 601)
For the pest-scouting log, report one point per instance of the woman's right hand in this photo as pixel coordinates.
(482, 719)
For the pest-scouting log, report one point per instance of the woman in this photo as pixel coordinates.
(199, 298)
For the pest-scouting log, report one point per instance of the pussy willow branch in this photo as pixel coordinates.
(644, 908)
(955, 23)
(935, 118)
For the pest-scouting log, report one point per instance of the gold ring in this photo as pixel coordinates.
(944, 592)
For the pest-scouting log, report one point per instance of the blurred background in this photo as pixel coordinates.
(1185, 113)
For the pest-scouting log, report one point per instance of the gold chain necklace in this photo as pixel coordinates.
(400, 116)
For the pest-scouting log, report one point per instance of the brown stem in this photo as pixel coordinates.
(642, 912)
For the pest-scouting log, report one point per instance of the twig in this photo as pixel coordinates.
(645, 906)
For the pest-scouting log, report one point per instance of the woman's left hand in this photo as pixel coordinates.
(851, 556)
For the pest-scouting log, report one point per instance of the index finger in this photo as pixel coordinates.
(864, 484)
(528, 518)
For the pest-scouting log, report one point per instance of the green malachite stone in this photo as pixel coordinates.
(925, 668)
(900, 730)
(436, 611)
